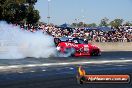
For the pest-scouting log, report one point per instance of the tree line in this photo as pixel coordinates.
(19, 11)
(103, 23)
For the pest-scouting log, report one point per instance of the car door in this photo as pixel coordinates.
(84, 48)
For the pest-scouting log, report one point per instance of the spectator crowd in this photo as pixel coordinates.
(121, 34)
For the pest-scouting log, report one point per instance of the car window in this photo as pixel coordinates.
(80, 41)
(75, 41)
(64, 39)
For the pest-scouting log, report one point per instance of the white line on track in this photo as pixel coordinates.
(71, 68)
(20, 72)
(120, 65)
(65, 64)
(43, 70)
(122, 58)
(32, 71)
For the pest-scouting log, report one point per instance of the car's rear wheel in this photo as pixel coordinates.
(69, 51)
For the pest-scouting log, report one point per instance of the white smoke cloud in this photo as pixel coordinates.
(16, 43)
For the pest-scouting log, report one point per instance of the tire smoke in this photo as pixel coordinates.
(68, 52)
(16, 43)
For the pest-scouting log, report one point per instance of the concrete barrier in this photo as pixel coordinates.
(115, 46)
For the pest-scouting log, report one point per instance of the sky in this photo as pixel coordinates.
(88, 11)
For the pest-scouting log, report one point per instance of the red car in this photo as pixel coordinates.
(76, 47)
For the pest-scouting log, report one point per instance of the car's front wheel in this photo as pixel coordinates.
(95, 52)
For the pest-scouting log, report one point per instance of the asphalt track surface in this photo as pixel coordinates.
(61, 72)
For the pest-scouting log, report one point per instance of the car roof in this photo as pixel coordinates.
(67, 38)
(64, 38)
